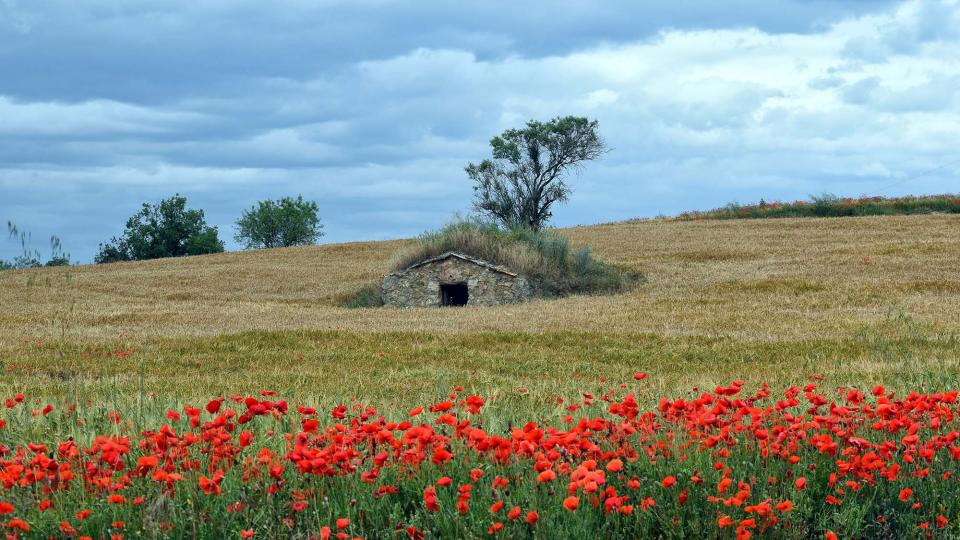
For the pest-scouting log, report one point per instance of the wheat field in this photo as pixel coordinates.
(856, 299)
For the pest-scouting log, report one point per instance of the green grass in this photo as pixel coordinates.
(521, 372)
(831, 206)
(368, 295)
(520, 375)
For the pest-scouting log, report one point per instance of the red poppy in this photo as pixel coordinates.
(785, 506)
(213, 407)
(19, 524)
(546, 476)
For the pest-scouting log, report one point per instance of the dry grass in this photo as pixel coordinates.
(753, 299)
(775, 279)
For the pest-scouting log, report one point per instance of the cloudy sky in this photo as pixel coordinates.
(373, 107)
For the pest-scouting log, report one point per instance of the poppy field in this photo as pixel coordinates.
(730, 462)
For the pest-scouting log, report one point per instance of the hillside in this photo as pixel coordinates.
(732, 296)
(235, 377)
(775, 279)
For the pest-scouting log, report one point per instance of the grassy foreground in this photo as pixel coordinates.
(863, 301)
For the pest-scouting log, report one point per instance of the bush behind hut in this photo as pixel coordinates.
(545, 258)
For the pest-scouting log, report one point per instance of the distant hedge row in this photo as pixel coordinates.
(833, 206)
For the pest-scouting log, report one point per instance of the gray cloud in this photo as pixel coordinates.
(373, 107)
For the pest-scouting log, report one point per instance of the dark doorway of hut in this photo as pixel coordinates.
(454, 294)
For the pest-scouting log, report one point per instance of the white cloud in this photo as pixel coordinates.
(695, 117)
(86, 119)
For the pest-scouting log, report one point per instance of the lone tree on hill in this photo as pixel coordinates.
(283, 223)
(166, 229)
(527, 173)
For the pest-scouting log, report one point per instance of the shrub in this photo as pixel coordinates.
(828, 205)
(166, 229)
(368, 295)
(283, 223)
(544, 258)
(60, 260)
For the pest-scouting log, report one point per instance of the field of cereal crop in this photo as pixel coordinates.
(862, 302)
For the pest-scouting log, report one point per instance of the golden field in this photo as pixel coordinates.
(873, 299)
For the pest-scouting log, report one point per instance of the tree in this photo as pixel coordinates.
(283, 223)
(166, 229)
(526, 176)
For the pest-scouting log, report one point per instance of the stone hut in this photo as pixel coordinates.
(454, 279)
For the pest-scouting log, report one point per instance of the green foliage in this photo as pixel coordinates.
(828, 205)
(822, 205)
(113, 251)
(368, 295)
(166, 229)
(61, 260)
(24, 261)
(582, 259)
(544, 258)
(526, 176)
(283, 223)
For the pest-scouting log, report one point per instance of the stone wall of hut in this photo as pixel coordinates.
(419, 286)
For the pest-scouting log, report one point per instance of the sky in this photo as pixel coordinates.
(372, 108)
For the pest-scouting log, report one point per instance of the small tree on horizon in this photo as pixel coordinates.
(526, 176)
(282, 223)
(165, 229)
